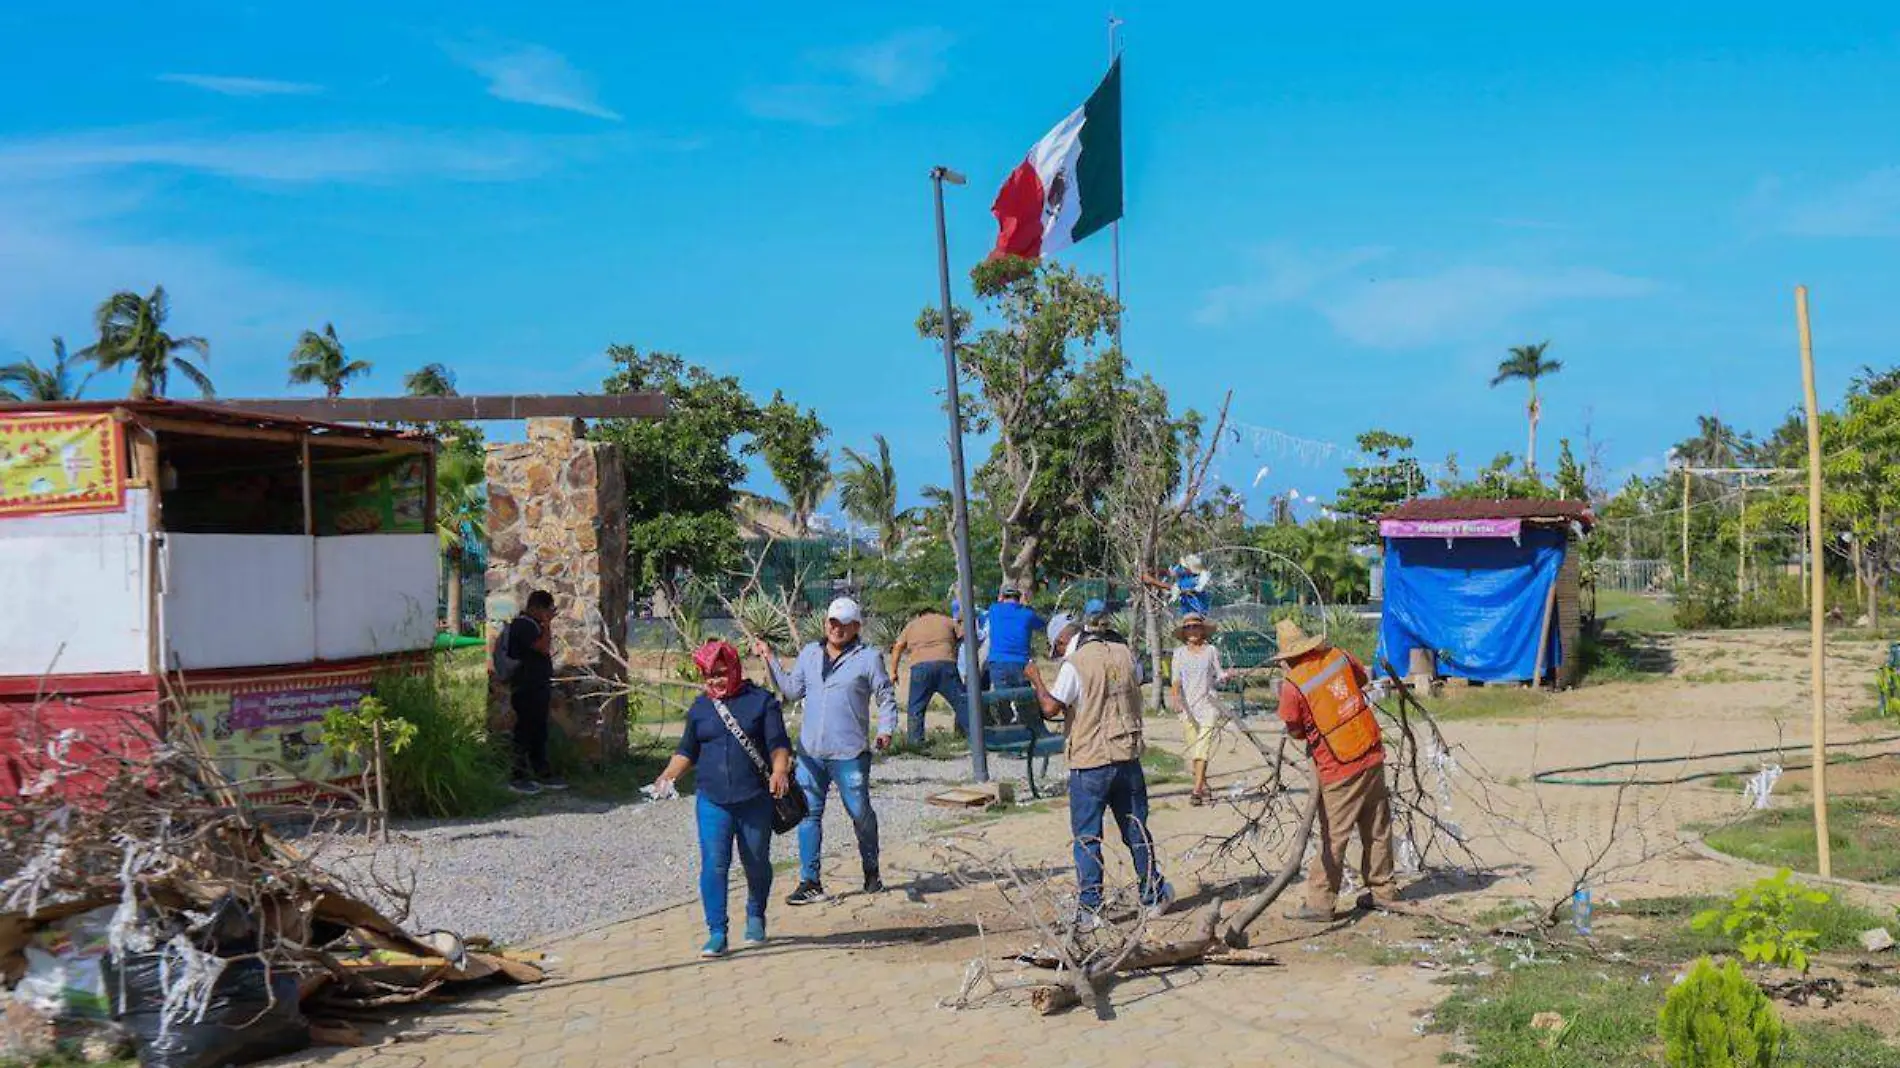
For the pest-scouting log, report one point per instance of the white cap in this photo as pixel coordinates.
(845, 610)
(1061, 622)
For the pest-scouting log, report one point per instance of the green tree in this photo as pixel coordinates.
(1392, 478)
(1716, 444)
(867, 491)
(1527, 362)
(430, 380)
(319, 358)
(436, 380)
(461, 521)
(1572, 483)
(132, 334)
(28, 381)
(681, 472)
(1048, 467)
(790, 440)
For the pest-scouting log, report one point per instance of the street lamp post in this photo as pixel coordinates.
(966, 583)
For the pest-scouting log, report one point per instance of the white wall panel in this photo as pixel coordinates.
(129, 519)
(376, 594)
(72, 605)
(238, 600)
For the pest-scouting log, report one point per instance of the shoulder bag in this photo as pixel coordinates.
(788, 811)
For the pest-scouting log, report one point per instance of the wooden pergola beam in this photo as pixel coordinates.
(464, 409)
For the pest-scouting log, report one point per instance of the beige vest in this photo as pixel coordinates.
(1105, 724)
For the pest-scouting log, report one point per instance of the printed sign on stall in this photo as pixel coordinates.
(266, 735)
(60, 463)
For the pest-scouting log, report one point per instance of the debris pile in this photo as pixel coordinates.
(149, 904)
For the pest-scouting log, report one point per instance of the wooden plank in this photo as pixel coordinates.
(289, 436)
(464, 409)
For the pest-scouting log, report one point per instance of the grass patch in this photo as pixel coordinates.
(1489, 702)
(1613, 657)
(1863, 838)
(940, 743)
(1162, 766)
(452, 768)
(1727, 675)
(1635, 613)
(1611, 1013)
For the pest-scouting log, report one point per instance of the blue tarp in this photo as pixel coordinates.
(1478, 603)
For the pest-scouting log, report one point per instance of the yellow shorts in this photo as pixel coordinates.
(1200, 740)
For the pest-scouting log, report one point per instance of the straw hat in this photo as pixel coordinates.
(1293, 641)
(1194, 619)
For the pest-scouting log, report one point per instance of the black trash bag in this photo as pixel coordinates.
(241, 1024)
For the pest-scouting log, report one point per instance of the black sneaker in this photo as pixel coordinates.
(525, 787)
(873, 881)
(808, 893)
(553, 784)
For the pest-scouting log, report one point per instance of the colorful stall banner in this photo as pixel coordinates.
(1450, 528)
(60, 463)
(265, 732)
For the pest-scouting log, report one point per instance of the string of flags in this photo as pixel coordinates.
(1309, 452)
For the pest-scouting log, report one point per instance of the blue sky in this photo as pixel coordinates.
(1343, 214)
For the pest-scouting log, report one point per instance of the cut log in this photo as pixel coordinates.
(1257, 905)
(1049, 1000)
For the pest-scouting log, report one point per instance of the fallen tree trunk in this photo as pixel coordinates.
(1236, 935)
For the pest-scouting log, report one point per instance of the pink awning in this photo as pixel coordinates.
(1450, 528)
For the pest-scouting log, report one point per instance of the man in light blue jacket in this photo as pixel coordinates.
(837, 678)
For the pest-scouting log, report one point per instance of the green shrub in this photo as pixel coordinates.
(451, 767)
(1760, 919)
(1717, 1018)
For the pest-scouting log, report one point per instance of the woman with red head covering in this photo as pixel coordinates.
(734, 800)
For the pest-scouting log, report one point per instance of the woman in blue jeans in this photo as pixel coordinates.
(734, 799)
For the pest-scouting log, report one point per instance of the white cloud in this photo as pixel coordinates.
(1868, 206)
(1464, 301)
(533, 74)
(1387, 310)
(229, 86)
(1282, 275)
(839, 85)
(282, 156)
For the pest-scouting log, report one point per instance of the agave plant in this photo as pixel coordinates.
(881, 630)
(764, 618)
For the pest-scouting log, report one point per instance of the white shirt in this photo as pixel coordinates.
(1068, 687)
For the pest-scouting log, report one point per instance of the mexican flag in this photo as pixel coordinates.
(1070, 185)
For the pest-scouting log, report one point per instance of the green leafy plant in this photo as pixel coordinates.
(1760, 919)
(1717, 1018)
(450, 767)
(354, 730)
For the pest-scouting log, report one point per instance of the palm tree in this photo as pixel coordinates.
(1527, 362)
(132, 331)
(1716, 444)
(319, 358)
(461, 520)
(867, 491)
(28, 381)
(430, 380)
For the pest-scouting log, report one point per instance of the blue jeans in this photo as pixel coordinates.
(1123, 789)
(937, 677)
(1007, 676)
(853, 776)
(750, 823)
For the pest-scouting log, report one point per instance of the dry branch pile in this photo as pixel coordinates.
(190, 883)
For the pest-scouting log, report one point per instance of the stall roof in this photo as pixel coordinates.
(1437, 509)
(183, 416)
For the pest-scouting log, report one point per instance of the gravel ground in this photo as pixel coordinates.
(556, 864)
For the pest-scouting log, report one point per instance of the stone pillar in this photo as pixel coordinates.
(557, 521)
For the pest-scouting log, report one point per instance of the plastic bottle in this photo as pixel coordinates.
(1580, 910)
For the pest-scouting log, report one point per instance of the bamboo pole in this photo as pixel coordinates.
(1543, 633)
(1741, 545)
(1817, 609)
(1685, 526)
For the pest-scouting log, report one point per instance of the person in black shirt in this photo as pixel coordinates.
(734, 798)
(532, 692)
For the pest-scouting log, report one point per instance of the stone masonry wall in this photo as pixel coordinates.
(557, 521)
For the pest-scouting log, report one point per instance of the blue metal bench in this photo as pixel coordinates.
(1029, 737)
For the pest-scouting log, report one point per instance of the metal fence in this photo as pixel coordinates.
(1632, 576)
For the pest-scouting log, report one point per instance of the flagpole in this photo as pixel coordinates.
(1115, 228)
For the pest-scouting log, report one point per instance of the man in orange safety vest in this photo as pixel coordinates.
(1323, 703)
